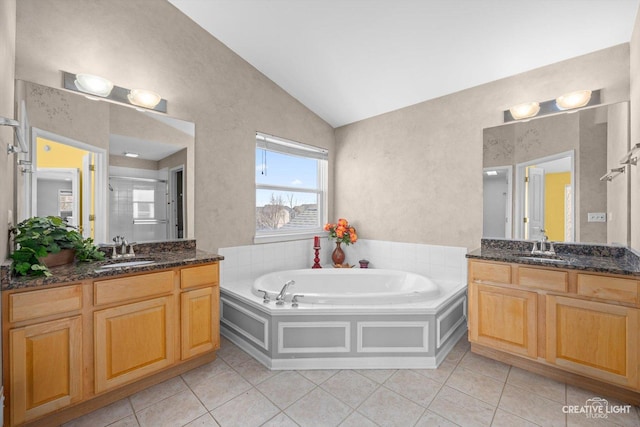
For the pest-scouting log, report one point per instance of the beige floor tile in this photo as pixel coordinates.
(254, 372)
(430, 419)
(441, 373)
(461, 408)
(459, 350)
(413, 386)
(285, 388)
(205, 420)
(130, 421)
(206, 372)
(176, 410)
(485, 366)
(104, 416)
(318, 376)
(158, 392)
(378, 375)
(350, 387)
(530, 406)
(248, 409)
(219, 390)
(538, 384)
(280, 420)
(476, 385)
(232, 354)
(356, 419)
(505, 419)
(388, 408)
(318, 408)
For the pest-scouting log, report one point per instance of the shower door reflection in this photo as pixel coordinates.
(139, 208)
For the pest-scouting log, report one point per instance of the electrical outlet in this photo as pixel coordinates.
(597, 217)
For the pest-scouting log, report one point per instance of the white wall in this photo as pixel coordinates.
(415, 174)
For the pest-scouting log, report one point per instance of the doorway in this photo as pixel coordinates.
(497, 199)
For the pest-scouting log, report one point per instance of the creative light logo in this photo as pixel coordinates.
(596, 407)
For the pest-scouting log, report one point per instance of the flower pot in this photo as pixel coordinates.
(65, 256)
(338, 255)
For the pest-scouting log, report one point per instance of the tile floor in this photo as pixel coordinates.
(466, 390)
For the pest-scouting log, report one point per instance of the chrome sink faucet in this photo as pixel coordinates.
(283, 292)
(542, 245)
(122, 243)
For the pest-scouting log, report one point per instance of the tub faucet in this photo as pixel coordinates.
(283, 292)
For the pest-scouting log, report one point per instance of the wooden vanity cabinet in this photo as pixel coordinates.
(44, 351)
(592, 338)
(97, 340)
(576, 322)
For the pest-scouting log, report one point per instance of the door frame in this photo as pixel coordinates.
(520, 190)
(100, 176)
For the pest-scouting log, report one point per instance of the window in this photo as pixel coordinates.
(291, 182)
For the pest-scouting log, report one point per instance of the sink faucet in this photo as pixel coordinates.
(283, 292)
(542, 245)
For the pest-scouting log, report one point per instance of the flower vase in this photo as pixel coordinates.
(338, 255)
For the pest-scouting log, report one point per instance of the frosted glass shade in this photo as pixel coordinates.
(95, 85)
(526, 110)
(144, 98)
(576, 99)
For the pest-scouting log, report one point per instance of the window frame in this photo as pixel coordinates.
(294, 148)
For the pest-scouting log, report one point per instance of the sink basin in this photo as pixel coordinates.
(128, 264)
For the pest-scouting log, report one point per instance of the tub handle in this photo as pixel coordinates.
(294, 300)
(266, 297)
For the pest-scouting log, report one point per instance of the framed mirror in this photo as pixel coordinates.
(112, 170)
(545, 177)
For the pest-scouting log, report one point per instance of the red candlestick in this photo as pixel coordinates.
(316, 242)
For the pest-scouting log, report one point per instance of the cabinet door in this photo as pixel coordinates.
(199, 321)
(45, 368)
(503, 318)
(594, 339)
(133, 340)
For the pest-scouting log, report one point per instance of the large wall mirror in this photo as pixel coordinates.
(545, 177)
(109, 169)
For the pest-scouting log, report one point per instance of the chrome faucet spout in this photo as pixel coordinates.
(283, 292)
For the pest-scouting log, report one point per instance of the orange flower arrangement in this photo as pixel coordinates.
(342, 232)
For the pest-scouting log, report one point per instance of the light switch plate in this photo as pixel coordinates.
(597, 217)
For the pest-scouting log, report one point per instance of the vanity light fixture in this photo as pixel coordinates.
(94, 85)
(143, 98)
(130, 154)
(103, 89)
(22, 145)
(572, 100)
(568, 101)
(525, 110)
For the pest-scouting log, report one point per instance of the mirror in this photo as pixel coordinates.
(545, 176)
(110, 169)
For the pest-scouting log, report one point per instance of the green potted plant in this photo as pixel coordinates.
(39, 242)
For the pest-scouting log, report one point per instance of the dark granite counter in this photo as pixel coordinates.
(162, 255)
(596, 258)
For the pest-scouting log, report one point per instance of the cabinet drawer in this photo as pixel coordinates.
(611, 288)
(132, 287)
(33, 304)
(191, 277)
(489, 272)
(550, 280)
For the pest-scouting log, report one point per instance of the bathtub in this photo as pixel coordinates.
(353, 286)
(347, 319)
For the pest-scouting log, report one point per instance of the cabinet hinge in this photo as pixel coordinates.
(526, 179)
(92, 168)
(525, 220)
(92, 217)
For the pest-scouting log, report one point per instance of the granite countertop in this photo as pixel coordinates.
(163, 254)
(596, 258)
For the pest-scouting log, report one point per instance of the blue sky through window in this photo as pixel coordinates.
(285, 170)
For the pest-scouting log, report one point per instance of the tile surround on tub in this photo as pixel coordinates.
(436, 262)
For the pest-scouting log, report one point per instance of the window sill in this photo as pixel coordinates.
(287, 237)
